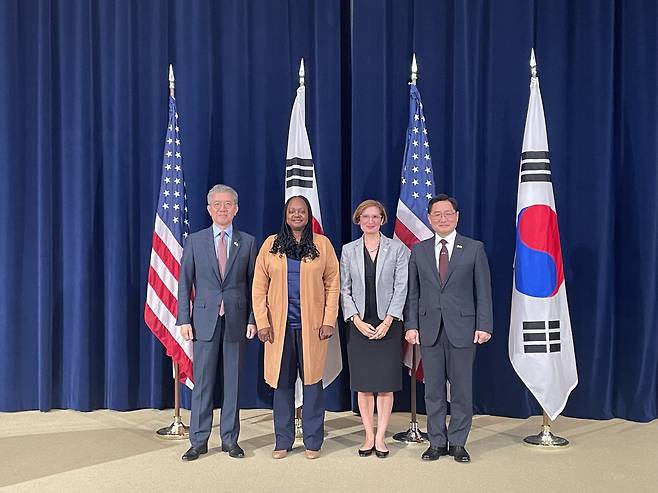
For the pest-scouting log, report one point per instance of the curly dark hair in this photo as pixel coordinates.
(285, 242)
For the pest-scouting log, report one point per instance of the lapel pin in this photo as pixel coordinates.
(458, 246)
(236, 243)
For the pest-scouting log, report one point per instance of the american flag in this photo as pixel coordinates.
(171, 228)
(416, 188)
(300, 180)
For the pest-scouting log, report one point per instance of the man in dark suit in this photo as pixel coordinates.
(448, 312)
(219, 263)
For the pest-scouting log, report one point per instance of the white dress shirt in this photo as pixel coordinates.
(228, 236)
(450, 239)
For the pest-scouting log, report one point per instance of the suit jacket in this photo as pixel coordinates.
(463, 301)
(319, 288)
(390, 278)
(200, 268)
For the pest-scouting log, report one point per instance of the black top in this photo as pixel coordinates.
(370, 315)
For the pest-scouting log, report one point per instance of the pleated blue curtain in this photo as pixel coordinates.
(83, 108)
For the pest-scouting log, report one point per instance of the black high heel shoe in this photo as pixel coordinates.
(382, 454)
(366, 452)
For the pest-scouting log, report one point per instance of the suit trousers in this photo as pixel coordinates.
(292, 361)
(444, 362)
(206, 359)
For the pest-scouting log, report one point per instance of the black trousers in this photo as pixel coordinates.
(292, 361)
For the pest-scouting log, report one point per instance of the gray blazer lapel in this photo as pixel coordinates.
(457, 250)
(382, 255)
(360, 263)
(233, 250)
(212, 254)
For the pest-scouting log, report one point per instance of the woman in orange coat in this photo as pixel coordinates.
(295, 302)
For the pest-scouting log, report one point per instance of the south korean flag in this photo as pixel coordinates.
(540, 342)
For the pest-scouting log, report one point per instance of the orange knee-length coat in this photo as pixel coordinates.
(319, 290)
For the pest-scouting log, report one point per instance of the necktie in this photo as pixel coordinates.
(443, 261)
(221, 256)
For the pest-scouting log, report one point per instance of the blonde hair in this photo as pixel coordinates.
(356, 217)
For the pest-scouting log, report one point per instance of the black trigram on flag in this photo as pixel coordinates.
(535, 166)
(541, 336)
(299, 173)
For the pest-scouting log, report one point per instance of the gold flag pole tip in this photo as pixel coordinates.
(301, 73)
(414, 70)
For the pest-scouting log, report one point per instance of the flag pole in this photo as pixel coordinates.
(299, 431)
(177, 430)
(414, 433)
(544, 438)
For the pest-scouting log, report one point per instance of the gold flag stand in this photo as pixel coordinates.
(299, 431)
(414, 433)
(545, 438)
(177, 430)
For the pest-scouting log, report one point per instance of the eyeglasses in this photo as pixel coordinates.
(448, 215)
(368, 218)
(218, 205)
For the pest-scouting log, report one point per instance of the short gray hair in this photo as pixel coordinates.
(219, 188)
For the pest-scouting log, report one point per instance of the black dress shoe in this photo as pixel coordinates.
(366, 452)
(234, 450)
(459, 453)
(433, 453)
(382, 454)
(193, 453)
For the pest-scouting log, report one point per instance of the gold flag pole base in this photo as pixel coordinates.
(412, 435)
(546, 438)
(299, 431)
(176, 431)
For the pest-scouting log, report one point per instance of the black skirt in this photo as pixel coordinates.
(375, 365)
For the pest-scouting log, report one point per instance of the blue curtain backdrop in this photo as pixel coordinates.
(83, 108)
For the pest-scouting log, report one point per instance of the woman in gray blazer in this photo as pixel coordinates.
(373, 287)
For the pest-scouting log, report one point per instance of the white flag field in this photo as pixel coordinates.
(540, 340)
(300, 180)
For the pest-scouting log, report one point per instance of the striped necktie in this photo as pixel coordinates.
(443, 261)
